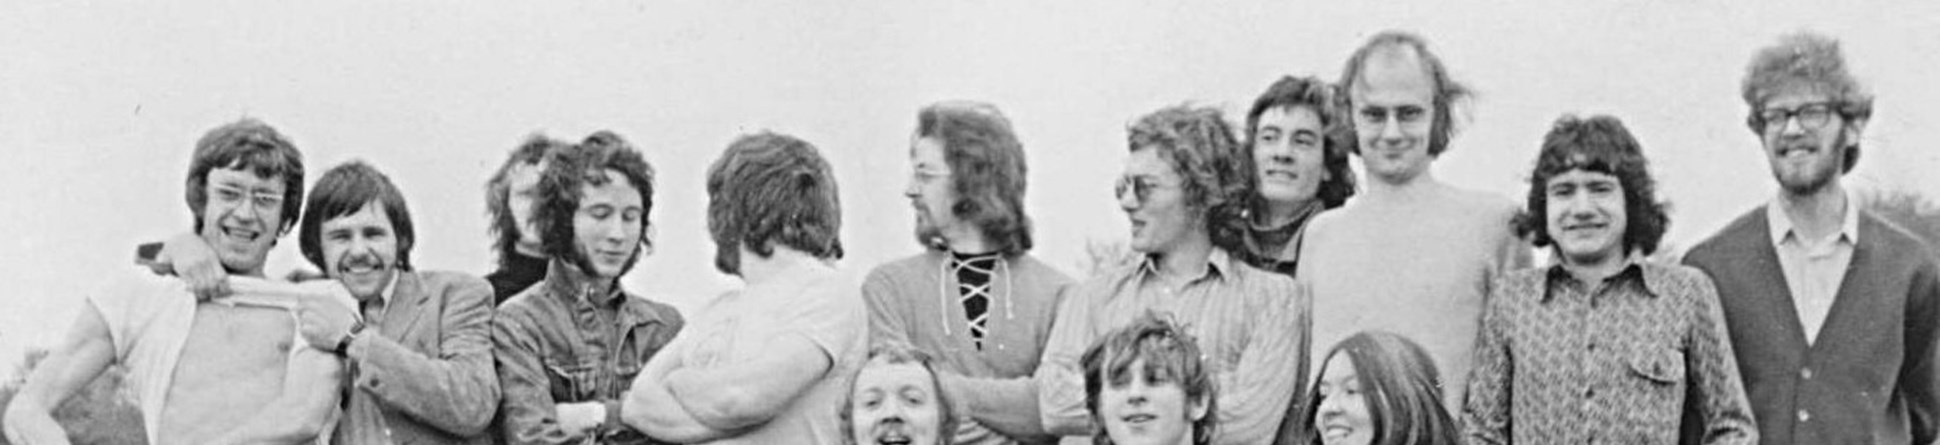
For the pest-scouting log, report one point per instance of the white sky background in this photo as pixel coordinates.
(100, 106)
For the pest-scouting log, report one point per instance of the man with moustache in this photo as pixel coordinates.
(420, 355)
(231, 369)
(1602, 346)
(568, 346)
(1412, 255)
(1832, 310)
(1185, 184)
(976, 299)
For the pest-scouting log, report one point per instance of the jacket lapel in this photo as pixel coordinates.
(407, 307)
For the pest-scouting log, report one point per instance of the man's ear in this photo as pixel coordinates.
(1196, 408)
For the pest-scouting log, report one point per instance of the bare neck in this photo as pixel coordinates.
(783, 263)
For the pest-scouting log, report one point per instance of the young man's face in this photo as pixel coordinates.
(360, 250)
(1394, 110)
(896, 403)
(1288, 153)
(1153, 197)
(1138, 408)
(608, 225)
(929, 189)
(1586, 216)
(522, 184)
(242, 218)
(1342, 418)
(1804, 157)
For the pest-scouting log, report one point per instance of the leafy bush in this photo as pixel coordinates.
(103, 412)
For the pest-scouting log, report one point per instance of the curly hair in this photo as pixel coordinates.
(1448, 92)
(1166, 350)
(896, 353)
(504, 227)
(1337, 133)
(252, 145)
(1218, 174)
(346, 189)
(1402, 388)
(1598, 144)
(772, 189)
(1809, 60)
(987, 170)
(562, 185)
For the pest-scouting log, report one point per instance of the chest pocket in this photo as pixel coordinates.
(1659, 365)
(573, 380)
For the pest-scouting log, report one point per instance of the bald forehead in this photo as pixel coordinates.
(1391, 60)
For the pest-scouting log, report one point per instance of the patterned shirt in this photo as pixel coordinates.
(1621, 361)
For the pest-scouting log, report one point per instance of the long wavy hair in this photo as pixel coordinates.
(769, 190)
(1337, 134)
(987, 170)
(1218, 174)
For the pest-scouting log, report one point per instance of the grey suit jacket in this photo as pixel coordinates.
(427, 376)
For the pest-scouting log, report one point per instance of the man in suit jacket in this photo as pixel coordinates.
(1832, 311)
(420, 357)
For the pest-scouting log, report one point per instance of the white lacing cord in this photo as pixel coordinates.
(943, 291)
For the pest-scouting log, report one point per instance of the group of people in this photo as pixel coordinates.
(1253, 246)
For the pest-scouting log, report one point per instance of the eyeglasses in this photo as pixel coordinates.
(263, 202)
(1140, 186)
(1811, 116)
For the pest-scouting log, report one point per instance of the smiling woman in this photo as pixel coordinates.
(1377, 388)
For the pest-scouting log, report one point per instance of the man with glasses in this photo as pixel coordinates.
(1832, 311)
(1184, 189)
(975, 299)
(1413, 255)
(230, 369)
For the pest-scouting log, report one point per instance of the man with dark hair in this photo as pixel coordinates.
(420, 355)
(767, 363)
(567, 346)
(1833, 311)
(1185, 189)
(232, 369)
(1412, 255)
(976, 299)
(508, 201)
(1299, 145)
(1602, 346)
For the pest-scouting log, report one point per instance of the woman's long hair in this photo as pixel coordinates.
(1402, 388)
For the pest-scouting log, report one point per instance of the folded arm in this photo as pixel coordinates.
(741, 395)
(651, 408)
(1059, 380)
(1485, 412)
(1714, 389)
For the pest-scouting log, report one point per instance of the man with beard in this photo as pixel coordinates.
(568, 346)
(976, 299)
(1413, 255)
(420, 357)
(1832, 311)
(231, 369)
(1185, 183)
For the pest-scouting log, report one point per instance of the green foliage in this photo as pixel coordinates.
(102, 412)
(1910, 210)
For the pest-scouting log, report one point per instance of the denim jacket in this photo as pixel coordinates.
(560, 342)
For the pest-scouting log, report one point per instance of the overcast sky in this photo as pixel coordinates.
(100, 106)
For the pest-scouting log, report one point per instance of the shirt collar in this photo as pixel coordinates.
(1218, 265)
(1651, 278)
(390, 289)
(567, 281)
(1781, 225)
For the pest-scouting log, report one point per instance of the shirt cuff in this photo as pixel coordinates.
(611, 408)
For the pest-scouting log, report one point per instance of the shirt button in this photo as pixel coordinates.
(1804, 416)
(1806, 373)
(1589, 392)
